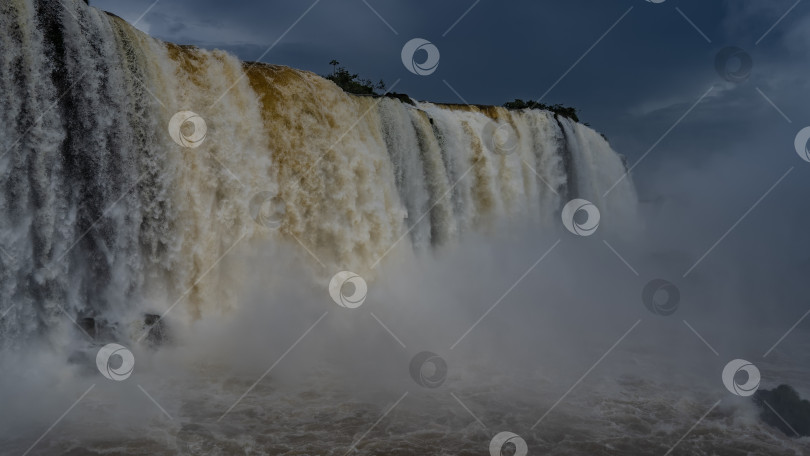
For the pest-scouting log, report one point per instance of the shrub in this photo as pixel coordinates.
(352, 83)
(565, 111)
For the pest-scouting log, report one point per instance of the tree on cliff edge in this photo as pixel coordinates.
(351, 82)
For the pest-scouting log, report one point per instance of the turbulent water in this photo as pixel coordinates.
(111, 213)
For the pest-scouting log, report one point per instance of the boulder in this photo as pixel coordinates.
(792, 412)
(158, 333)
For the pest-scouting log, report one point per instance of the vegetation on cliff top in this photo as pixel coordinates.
(352, 83)
(565, 111)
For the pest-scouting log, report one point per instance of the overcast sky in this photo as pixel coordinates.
(635, 69)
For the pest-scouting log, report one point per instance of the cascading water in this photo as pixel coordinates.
(105, 217)
(109, 221)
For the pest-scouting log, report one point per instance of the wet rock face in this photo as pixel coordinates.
(102, 331)
(88, 324)
(783, 409)
(98, 329)
(158, 333)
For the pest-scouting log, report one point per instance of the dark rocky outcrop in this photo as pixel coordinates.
(158, 333)
(792, 412)
(98, 329)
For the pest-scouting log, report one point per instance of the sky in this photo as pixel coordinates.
(713, 158)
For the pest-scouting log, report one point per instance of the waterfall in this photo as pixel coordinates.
(104, 215)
